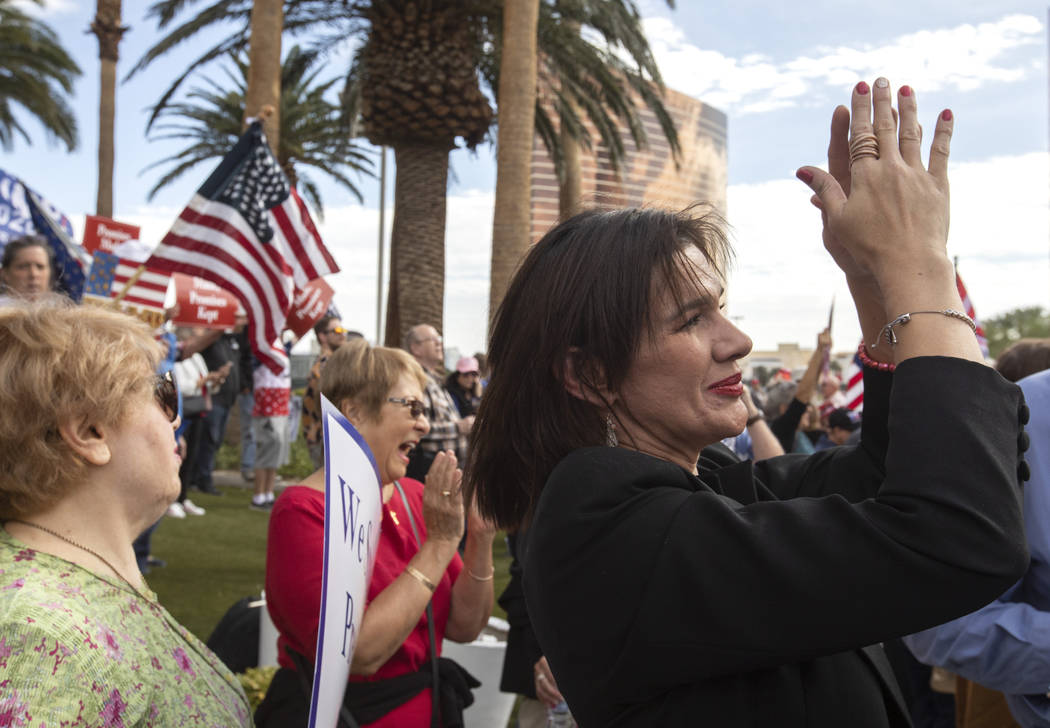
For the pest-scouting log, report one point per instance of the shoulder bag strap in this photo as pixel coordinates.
(435, 699)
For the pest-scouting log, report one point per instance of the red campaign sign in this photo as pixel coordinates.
(309, 306)
(105, 234)
(202, 303)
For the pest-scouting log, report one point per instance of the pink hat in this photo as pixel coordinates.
(467, 364)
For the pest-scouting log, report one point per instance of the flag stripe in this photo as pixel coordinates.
(223, 270)
(206, 214)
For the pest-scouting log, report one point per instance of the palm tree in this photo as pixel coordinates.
(517, 105)
(417, 74)
(311, 135)
(264, 68)
(107, 28)
(36, 74)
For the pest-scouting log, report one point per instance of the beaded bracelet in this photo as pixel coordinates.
(882, 366)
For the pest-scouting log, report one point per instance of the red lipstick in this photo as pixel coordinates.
(728, 387)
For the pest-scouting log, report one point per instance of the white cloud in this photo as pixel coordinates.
(962, 58)
(49, 8)
(784, 281)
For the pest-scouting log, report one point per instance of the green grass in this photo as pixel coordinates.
(215, 559)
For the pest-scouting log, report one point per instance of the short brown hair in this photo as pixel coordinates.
(365, 374)
(1023, 358)
(585, 290)
(59, 360)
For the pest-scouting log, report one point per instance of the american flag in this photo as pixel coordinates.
(982, 340)
(855, 385)
(109, 277)
(248, 231)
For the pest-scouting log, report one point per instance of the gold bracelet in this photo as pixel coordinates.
(421, 578)
(475, 577)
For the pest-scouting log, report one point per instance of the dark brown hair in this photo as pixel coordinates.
(583, 291)
(1023, 358)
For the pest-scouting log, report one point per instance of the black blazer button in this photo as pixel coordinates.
(1023, 441)
(1023, 472)
(1023, 414)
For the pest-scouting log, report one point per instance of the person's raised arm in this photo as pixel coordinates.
(472, 593)
(886, 225)
(807, 385)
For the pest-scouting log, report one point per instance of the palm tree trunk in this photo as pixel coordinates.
(417, 280)
(570, 185)
(264, 67)
(107, 28)
(516, 109)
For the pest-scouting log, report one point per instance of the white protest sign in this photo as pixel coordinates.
(353, 513)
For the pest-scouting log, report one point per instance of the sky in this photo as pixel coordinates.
(776, 69)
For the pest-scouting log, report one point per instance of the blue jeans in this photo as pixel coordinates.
(246, 403)
(211, 439)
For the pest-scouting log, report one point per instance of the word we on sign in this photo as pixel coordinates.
(353, 513)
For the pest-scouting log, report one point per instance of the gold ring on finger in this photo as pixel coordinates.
(863, 145)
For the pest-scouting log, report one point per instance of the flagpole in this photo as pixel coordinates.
(130, 284)
(379, 272)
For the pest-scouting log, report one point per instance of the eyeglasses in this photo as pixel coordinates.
(166, 394)
(336, 330)
(416, 408)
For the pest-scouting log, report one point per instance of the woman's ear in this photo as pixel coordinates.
(86, 438)
(586, 382)
(352, 411)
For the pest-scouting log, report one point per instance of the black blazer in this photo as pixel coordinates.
(743, 596)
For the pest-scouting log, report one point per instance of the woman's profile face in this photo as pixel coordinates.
(29, 274)
(144, 452)
(683, 389)
(395, 432)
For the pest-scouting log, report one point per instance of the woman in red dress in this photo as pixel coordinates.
(380, 391)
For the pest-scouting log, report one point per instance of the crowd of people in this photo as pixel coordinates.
(687, 549)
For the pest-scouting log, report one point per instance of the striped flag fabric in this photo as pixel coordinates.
(855, 385)
(248, 231)
(109, 277)
(970, 311)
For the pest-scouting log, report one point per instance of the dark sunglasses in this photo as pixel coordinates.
(415, 407)
(167, 394)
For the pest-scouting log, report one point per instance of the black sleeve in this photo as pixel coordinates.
(785, 426)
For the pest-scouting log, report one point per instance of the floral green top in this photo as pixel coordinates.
(81, 649)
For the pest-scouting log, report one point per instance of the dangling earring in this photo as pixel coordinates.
(610, 432)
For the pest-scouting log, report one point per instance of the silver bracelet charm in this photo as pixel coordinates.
(891, 336)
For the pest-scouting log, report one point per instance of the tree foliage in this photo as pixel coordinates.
(596, 60)
(311, 133)
(1015, 324)
(37, 74)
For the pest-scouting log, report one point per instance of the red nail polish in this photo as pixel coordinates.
(946, 114)
(862, 88)
(905, 90)
(805, 175)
